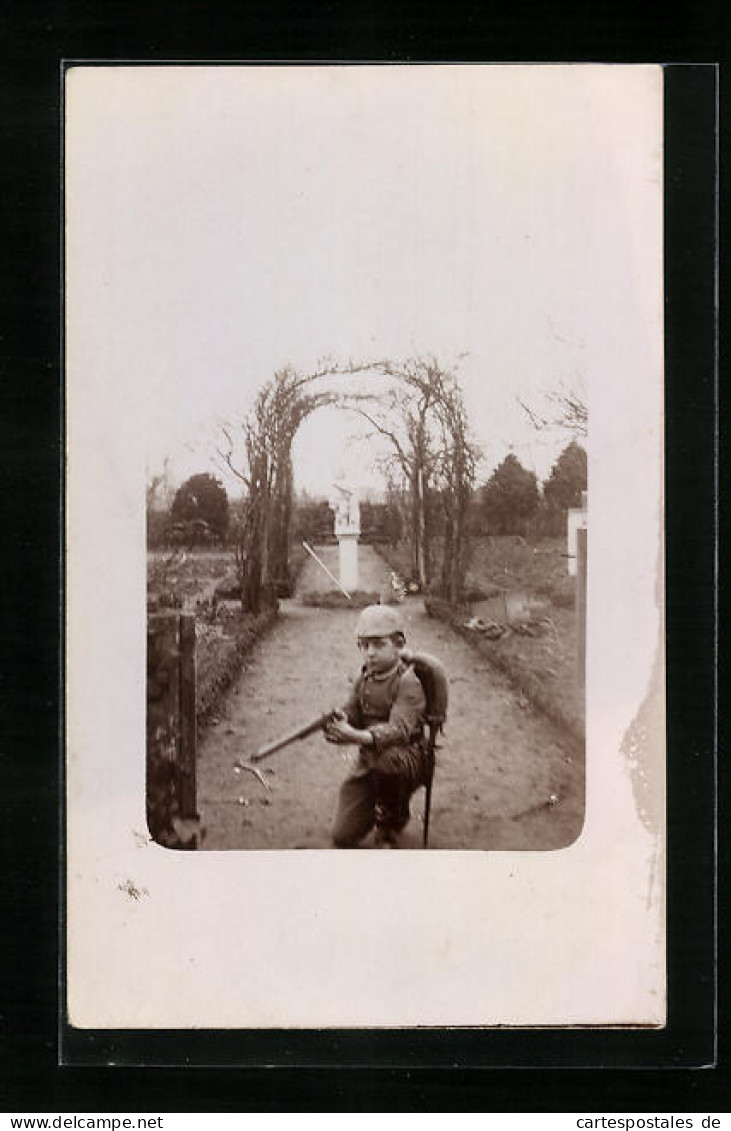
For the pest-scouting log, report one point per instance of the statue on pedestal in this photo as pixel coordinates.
(344, 501)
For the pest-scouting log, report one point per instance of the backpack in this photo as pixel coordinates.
(432, 676)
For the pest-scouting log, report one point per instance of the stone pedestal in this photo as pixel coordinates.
(348, 544)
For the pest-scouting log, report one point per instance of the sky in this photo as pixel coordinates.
(226, 221)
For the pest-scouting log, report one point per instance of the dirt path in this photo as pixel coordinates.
(504, 778)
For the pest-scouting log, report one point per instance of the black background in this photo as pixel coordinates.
(610, 1071)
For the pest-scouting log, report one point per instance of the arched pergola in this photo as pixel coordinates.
(431, 446)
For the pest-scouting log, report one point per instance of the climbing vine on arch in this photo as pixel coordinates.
(425, 422)
(423, 419)
(264, 466)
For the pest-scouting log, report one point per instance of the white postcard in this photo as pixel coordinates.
(455, 274)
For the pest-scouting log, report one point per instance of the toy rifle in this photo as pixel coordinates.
(300, 732)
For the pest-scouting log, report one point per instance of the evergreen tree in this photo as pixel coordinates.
(567, 479)
(509, 498)
(202, 498)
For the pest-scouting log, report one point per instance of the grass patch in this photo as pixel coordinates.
(543, 669)
(333, 599)
(501, 563)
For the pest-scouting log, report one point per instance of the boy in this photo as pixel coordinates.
(384, 717)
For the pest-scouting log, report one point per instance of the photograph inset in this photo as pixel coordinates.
(398, 664)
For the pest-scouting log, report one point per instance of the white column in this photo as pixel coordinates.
(348, 544)
(576, 520)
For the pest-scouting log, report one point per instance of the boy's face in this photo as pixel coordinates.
(380, 652)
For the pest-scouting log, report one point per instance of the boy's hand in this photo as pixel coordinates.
(339, 731)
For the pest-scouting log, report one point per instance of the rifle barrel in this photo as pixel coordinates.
(292, 736)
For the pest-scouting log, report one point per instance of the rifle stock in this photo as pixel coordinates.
(293, 736)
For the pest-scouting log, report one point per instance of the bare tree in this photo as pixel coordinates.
(265, 469)
(458, 464)
(564, 409)
(403, 417)
(424, 419)
(151, 490)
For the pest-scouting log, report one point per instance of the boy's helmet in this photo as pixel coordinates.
(379, 620)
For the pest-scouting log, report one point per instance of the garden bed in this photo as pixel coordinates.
(221, 648)
(189, 581)
(541, 667)
(518, 612)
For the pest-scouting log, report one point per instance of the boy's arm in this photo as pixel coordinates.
(351, 706)
(406, 716)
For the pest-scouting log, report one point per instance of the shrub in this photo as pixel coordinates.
(200, 506)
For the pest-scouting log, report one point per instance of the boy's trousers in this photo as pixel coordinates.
(378, 793)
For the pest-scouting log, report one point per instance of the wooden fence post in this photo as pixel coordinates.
(581, 572)
(171, 727)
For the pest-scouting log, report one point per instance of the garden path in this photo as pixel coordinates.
(505, 778)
